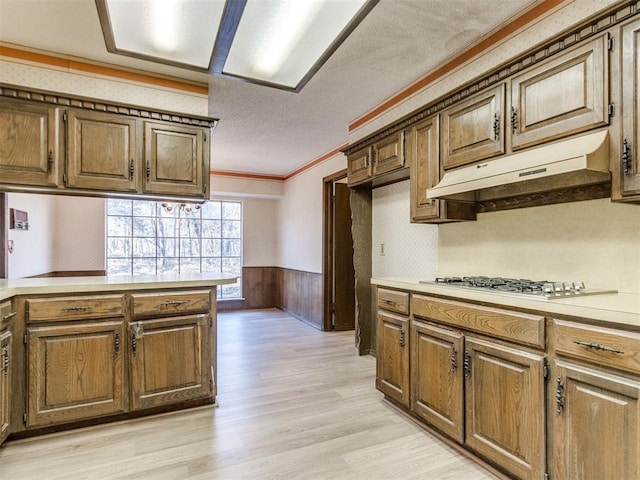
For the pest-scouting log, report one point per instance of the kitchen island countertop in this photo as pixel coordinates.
(46, 285)
(618, 308)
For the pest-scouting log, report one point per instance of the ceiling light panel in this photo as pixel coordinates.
(279, 41)
(176, 31)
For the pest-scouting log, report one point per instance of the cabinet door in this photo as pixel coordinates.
(595, 412)
(102, 149)
(437, 378)
(169, 361)
(423, 152)
(473, 129)
(392, 375)
(28, 143)
(359, 166)
(505, 414)
(5, 384)
(388, 154)
(565, 95)
(75, 372)
(176, 160)
(626, 169)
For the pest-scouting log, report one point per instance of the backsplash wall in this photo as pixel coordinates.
(409, 249)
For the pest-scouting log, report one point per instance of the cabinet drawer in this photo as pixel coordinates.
(6, 313)
(604, 346)
(505, 324)
(170, 303)
(70, 308)
(393, 301)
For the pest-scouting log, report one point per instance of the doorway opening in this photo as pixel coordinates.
(338, 268)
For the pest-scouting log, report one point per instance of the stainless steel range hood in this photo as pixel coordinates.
(569, 163)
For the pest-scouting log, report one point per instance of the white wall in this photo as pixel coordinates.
(409, 249)
(300, 217)
(33, 251)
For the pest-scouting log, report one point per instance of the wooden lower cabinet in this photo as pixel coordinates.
(596, 424)
(437, 378)
(504, 406)
(392, 374)
(169, 360)
(5, 384)
(75, 371)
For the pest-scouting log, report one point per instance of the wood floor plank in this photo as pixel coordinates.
(295, 403)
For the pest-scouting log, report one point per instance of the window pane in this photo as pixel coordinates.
(189, 247)
(144, 208)
(232, 211)
(119, 226)
(144, 247)
(168, 210)
(211, 247)
(167, 227)
(212, 209)
(231, 248)
(167, 247)
(190, 228)
(211, 228)
(231, 291)
(232, 266)
(230, 229)
(119, 207)
(119, 247)
(211, 265)
(118, 266)
(144, 227)
(144, 266)
(168, 265)
(189, 265)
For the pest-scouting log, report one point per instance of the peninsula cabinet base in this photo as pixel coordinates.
(453, 445)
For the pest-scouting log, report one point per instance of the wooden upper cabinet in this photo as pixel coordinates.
(565, 95)
(505, 407)
(29, 143)
(102, 151)
(176, 159)
(596, 424)
(626, 168)
(423, 154)
(473, 129)
(388, 154)
(359, 166)
(437, 378)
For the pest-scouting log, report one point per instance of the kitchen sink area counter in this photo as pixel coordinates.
(95, 349)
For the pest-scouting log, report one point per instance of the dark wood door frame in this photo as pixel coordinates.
(327, 246)
(4, 234)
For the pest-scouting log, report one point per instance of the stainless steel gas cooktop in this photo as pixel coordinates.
(519, 286)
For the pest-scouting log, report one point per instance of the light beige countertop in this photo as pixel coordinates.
(47, 285)
(620, 308)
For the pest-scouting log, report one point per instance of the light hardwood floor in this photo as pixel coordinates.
(295, 403)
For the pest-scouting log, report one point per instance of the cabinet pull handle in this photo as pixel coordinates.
(82, 308)
(148, 170)
(626, 157)
(559, 396)
(172, 303)
(597, 346)
(454, 359)
(9, 315)
(467, 364)
(134, 343)
(131, 169)
(5, 359)
(402, 339)
(388, 302)
(117, 343)
(496, 126)
(514, 119)
(50, 161)
(366, 161)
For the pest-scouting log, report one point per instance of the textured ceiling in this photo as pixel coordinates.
(268, 131)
